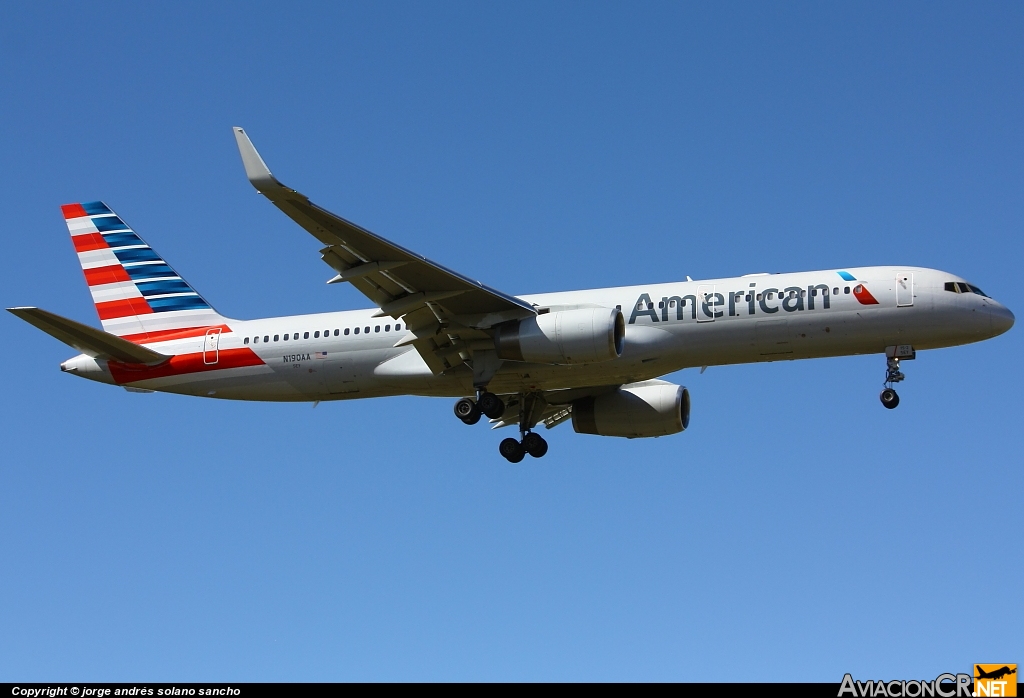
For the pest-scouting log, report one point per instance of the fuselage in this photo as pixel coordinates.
(670, 326)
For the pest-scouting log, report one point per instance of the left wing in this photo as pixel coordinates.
(445, 311)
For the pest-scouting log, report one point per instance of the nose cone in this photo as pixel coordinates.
(1002, 319)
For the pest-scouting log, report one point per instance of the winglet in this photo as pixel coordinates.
(255, 169)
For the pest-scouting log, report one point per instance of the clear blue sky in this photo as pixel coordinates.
(796, 531)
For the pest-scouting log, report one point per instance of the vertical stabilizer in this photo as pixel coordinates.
(138, 296)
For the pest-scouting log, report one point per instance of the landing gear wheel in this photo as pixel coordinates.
(889, 398)
(535, 445)
(512, 450)
(467, 411)
(491, 405)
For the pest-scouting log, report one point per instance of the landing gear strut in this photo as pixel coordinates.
(893, 375)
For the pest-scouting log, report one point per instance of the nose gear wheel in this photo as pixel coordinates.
(889, 397)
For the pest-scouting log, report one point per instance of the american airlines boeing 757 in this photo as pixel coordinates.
(593, 357)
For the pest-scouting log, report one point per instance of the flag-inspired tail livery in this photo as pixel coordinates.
(138, 296)
(593, 357)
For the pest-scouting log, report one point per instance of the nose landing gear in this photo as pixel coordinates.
(890, 398)
(893, 375)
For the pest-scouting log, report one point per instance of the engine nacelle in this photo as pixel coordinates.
(652, 408)
(582, 336)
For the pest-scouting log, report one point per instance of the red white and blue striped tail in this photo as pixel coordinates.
(138, 296)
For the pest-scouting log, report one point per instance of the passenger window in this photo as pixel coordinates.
(397, 327)
(245, 341)
(357, 330)
(759, 296)
(266, 338)
(814, 292)
(335, 333)
(640, 306)
(346, 331)
(286, 337)
(803, 293)
(327, 333)
(387, 328)
(661, 304)
(275, 337)
(846, 289)
(377, 328)
(316, 335)
(366, 330)
(835, 291)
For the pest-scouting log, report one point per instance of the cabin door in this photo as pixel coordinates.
(211, 346)
(904, 289)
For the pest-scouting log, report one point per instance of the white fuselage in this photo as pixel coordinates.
(668, 327)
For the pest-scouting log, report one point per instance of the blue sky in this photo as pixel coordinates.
(796, 531)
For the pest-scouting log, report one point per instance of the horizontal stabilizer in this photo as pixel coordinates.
(88, 340)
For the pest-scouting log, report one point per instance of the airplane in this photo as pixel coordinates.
(594, 357)
(995, 674)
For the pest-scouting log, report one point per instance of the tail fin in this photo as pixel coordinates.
(138, 296)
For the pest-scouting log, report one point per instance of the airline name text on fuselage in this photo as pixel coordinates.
(715, 305)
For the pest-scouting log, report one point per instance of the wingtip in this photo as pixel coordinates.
(255, 169)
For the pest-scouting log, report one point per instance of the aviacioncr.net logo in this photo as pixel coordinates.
(943, 686)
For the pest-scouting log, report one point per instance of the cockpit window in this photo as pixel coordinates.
(961, 287)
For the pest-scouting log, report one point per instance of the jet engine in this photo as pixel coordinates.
(651, 408)
(581, 336)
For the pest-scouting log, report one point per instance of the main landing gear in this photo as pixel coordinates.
(889, 397)
(514, 451)
(486, 403)
(492, 406)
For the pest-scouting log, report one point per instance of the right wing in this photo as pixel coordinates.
(88, 340)
(445, 311)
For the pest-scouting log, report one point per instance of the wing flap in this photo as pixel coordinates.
(88, 340)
